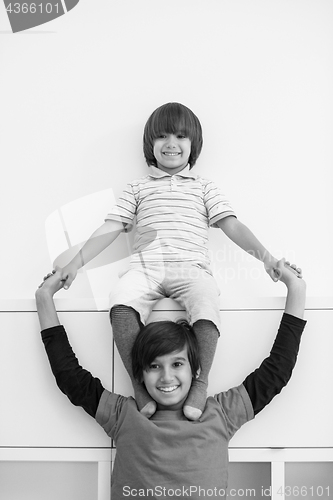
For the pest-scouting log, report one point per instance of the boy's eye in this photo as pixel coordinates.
(179, 135)
(153, 366)
(177, 364)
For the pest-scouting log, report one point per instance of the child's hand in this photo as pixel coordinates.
(273, 269)
(270, 268)
(287, 272)
(68, 274)
(52, 283)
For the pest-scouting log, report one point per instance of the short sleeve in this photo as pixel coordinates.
(125, 209)
(237, 408)
(108, 411)
(216, 203)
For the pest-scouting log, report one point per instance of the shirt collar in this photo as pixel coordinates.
(158, 173)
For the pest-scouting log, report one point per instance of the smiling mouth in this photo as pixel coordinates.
(171, 154)
(167, 390)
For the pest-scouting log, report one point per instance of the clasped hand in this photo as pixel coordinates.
(274, 269)
(52, 282)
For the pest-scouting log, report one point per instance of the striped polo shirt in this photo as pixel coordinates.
(173, 214)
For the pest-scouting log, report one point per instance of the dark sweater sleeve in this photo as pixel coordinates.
(275, 371)
(78, 384)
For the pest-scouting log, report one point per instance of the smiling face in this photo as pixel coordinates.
(172, 152)
(168, 379)
(176, 122)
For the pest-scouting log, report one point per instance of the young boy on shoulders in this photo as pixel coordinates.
(173, 209)
(169, 453)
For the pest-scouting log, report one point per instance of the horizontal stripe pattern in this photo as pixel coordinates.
(173, 214)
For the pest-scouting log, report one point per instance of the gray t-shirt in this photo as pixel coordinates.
(168, 455)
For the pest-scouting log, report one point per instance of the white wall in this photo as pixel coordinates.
(76, 93)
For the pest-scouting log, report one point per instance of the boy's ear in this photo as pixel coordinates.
(197, 374)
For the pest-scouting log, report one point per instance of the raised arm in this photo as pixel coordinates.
(78, 384)
(245, 239)
(275, 371)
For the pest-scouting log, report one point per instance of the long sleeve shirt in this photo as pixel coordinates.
(168, 451)
(262, 385)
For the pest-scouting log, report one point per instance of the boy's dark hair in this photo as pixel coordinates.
(160, 338)
(172, 118)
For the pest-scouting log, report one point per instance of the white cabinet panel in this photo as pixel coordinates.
(33, 410)
(48, 480)
(35, 413)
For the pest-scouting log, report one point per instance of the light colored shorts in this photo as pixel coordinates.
(191, 285)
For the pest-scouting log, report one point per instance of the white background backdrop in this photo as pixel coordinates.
(76, 93)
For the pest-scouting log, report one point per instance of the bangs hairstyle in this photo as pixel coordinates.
(172, 118)
(160, 338)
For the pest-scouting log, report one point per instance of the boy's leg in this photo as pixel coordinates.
(196, 289)
(126, 325)
(130, 303)
(207, 336)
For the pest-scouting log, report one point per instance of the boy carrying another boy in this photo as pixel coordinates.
(173, 209)
(169, 455)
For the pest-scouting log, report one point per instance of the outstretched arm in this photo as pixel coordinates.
(78, 384)
(245, 239)
(275, 371)
(98, 241)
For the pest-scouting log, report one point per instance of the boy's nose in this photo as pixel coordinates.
(171, 141)
(166, 376)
